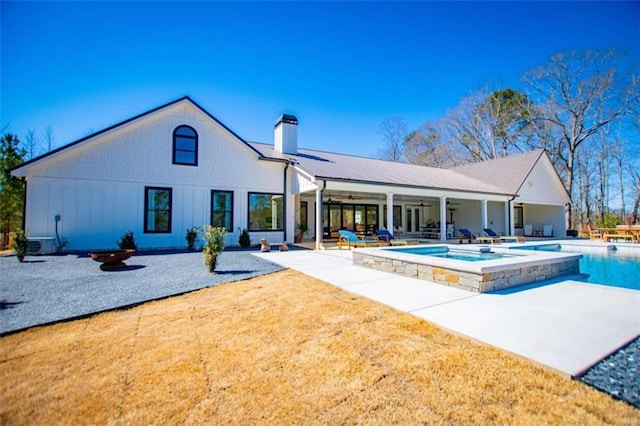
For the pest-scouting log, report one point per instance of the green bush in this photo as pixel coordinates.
(609, 220)
(19, 244)
(128, 241)
(192, 234)
(213, 246)
(245, 239)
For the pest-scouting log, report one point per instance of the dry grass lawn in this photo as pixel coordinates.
(278, 349)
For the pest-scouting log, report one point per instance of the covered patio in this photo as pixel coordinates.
(405, 212)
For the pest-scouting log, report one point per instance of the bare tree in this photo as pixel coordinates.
(393, 131)
(427, 147)
(32, 144)
(488, 124)
(49, 138)
(581, 92)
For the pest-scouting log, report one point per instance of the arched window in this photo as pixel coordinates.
(185, 146)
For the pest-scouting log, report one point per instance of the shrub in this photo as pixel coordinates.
(245, 239)
(127, 241)
(19, 244)
(192, 234)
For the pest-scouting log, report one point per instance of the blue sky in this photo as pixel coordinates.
(340, 67)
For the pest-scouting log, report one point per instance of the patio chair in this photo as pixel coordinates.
(352, 240)
(594, 234)
(547, 231)
(387, 237)
(491, 233)
(528, 230)
(468, 235)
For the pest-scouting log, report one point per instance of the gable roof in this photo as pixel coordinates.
(184, 99)
(508, 173)
(333, 166)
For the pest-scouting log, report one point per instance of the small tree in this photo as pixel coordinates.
(20, 244)
(213, 246)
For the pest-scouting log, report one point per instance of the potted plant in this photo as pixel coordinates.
(19, 245)
(213, 246)
(192, 234)
(302, 229)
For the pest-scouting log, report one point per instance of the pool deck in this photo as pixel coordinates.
(567, 326)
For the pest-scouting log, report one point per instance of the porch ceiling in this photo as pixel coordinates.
(402, 193)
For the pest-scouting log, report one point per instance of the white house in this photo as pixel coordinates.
(177, 166)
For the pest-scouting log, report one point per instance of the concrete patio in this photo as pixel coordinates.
(567, 326)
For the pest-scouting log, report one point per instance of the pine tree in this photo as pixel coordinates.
(11, 187)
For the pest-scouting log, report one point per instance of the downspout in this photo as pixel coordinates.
(24, 206)
(284, 200)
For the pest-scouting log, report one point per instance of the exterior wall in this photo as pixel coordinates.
(496, 218)
(98, 188)
(538, 216)
(543, 186)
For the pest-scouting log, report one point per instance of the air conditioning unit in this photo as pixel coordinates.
(41, 245)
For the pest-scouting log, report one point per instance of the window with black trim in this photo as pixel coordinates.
(157, 210)
(222, 209)
(185, 146)
(304, 212)
(397, 216)
(266, 211)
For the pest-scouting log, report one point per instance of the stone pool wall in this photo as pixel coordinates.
(481, 281)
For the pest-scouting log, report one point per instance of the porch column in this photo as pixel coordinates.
(484, 214)
(390, 225)
(443, 218)
(319, 229)
(511, 215)
(507, 222)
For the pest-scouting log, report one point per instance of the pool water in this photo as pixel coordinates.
(444, 253)
(468, 257)
(612, 269)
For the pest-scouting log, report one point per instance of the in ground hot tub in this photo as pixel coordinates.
(474, 268)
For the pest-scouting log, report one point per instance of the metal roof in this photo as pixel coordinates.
(333, 166)
(508, 173)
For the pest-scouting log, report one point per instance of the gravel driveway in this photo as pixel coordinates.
(46, 289)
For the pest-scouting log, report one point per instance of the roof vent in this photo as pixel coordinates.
(285, 135)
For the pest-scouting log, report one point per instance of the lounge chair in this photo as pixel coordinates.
(528, 230)
(547, 231)
(352, 240)
(468, 235)
(491, 233)
(387, 237)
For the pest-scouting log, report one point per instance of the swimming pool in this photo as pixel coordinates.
(604, 264)
(612, 269)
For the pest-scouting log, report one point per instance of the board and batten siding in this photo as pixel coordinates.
(98, 187)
